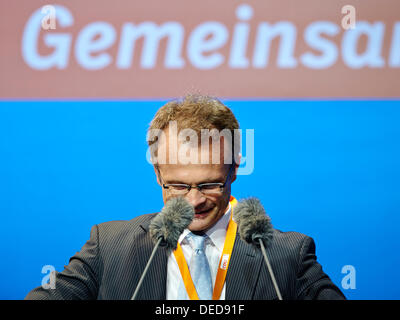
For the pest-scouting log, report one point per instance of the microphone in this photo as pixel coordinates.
(254, 227)
(166, 227)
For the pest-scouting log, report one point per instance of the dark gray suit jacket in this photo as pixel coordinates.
(111, 262)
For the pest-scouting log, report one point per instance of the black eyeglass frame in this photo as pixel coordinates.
(199, 186)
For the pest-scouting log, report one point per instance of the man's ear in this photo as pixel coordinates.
(157, 172)
(238, 158)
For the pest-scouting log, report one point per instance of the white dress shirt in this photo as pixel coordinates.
(214, 246)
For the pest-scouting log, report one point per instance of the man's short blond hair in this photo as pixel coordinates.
(196, 112)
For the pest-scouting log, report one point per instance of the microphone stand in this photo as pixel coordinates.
(146, 269)
(270, 269)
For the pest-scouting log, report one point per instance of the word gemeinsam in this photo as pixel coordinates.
(208, 44)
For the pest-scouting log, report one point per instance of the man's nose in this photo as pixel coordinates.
(195, 197)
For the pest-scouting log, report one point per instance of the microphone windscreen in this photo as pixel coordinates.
(173, 219)
(253, 223)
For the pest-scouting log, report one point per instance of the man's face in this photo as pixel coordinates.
(208, 208)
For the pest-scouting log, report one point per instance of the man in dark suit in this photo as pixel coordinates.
(111, 262)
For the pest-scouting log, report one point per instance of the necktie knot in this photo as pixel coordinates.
(197, 241)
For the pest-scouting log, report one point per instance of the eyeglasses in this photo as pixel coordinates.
(205, 188)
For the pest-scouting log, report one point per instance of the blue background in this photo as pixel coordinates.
(329, 169)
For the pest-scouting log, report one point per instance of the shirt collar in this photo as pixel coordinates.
(218, 231)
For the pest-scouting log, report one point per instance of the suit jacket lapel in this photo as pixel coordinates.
(243, 271)
(155, 282)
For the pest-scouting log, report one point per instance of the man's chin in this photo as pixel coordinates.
(197, 225)
(201, 223)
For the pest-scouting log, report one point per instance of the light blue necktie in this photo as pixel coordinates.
(199, 267)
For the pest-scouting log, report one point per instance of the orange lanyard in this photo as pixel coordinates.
(223, 262)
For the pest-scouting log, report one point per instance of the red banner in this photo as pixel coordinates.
(161, 49)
